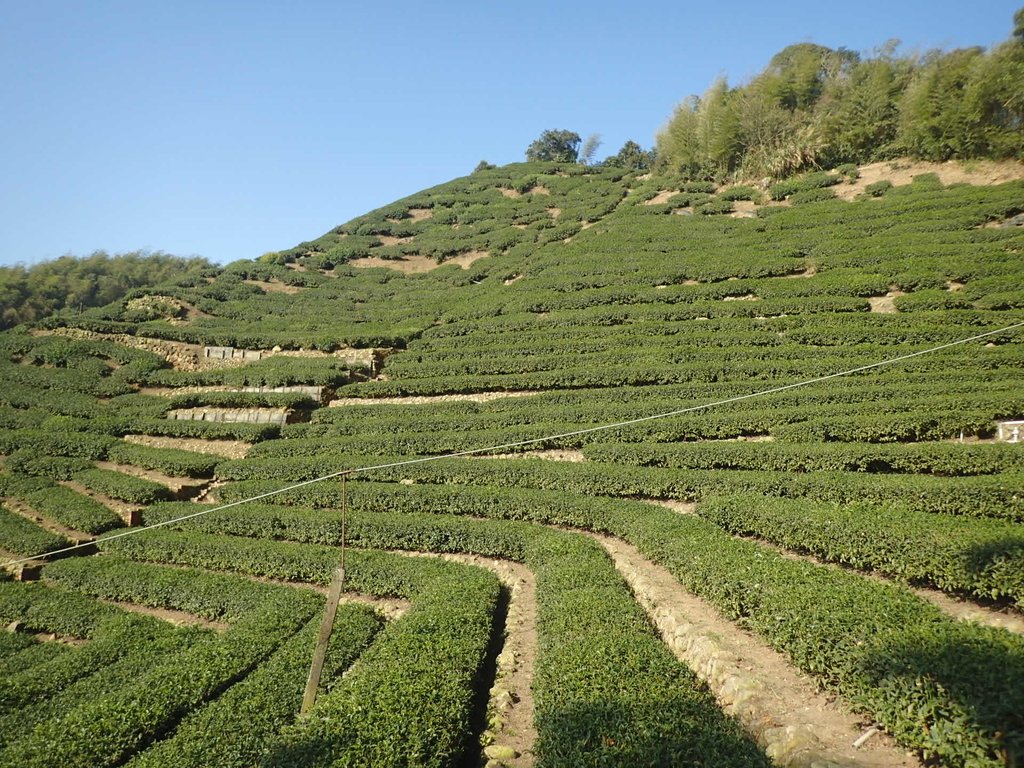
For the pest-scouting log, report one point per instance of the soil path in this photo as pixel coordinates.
(510, 706)
(182, 487)
(475, 397)
(21, 508)
(177, 618)
(957, 608)
(229, 449)
(121, 508)
(777, 705)
(902, 171)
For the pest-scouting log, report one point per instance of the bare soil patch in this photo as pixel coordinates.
(777, 705)
(409, 265)
(809, 272)
(229, 449)
(420, 214)
(554, 454)
(744, 209)
(412, 265)
(681, 507)
(465, 259)
(900, 172)
(744, 297)
(275, 286)
(539, 190)
(391, 240)
(885, 304)
(554, 213)
(662, 197)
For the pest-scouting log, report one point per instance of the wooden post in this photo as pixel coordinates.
(327, 625)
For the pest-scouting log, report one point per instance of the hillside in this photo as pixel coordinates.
(760, 582)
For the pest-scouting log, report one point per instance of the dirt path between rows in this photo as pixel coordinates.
(181, 487)
(178, 618)
(122, 509)
(777, 705)
(229, 449)
(959, 609)
(475, 397)
(30, 513)
(511, 732)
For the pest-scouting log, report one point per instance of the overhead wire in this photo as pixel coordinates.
(523, 443)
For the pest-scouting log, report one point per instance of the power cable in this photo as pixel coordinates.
(532, 441)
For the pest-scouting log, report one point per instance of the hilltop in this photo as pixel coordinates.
(490, 314)
(622, 467)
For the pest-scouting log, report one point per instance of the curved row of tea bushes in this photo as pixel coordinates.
(110, 728)
(237, 728)
(983, 558)
(594, 638)
(997, 496)
(950, 690)
(60, 504)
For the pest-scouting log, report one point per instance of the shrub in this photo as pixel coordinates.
(740, 193)
(878, 188)
(849, 170)
(812, 196)
(715, 206)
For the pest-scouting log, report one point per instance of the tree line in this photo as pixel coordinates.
(31, 293)
(815, 106)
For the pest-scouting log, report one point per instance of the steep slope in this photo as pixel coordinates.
(564, 299)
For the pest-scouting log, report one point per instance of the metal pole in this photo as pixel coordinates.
(327, 625)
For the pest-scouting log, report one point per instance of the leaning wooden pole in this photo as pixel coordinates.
(327, 625)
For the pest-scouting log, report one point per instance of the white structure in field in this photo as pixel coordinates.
(1010, 431)
(230, 353)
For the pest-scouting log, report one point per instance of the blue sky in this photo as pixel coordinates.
(228, 129)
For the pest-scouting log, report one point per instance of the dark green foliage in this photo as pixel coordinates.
(813, 105)
(848, 170)
(53, 443)
(113, 726)
(811, 196)
(715, 206)
(554, 146)
(740, 192)
(237, 728)
(290, 400)
(31, 293)
(632, 157)
(878, 188)
(809, 183)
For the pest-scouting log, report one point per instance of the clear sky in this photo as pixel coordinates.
(227, 129)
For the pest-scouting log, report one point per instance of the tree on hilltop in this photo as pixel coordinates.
(556, 146)
(590, 146)
(632, 157)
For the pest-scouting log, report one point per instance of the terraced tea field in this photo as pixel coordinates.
(670, 535)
